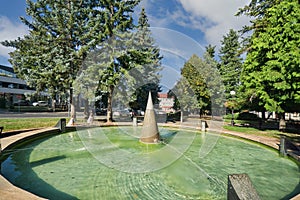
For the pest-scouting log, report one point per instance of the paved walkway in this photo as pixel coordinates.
(8, 191)
(217, 126)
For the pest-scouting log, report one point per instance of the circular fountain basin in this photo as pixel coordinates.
(111, 163)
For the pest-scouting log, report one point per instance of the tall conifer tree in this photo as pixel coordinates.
(127, 58)
(210, 50)
(60, 34)
(147, 76)
(230, 62)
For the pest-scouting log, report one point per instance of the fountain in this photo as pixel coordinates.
(62, 167)
(150, 132)
(119, 162)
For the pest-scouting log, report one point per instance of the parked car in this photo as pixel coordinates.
(101, 111)
(121, 113)
(138, 113)
(22, 103)
(40, 103)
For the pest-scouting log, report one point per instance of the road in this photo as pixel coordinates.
(6, 114)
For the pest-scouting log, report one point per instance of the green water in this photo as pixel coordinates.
(110, 163)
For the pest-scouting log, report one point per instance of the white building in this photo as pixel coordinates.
(12, 88)
(166, 104)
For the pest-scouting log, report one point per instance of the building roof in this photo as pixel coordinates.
(9, 69)
(162, 95)
(7, 75)
(16, 91)
(12, 80)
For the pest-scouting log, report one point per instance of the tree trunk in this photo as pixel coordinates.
(72, 103)
(262, 120)
(78, 102)
(181, 116)
(53, 103)
(263, 115)
(109, 104)
(86, 109)
(91, 117)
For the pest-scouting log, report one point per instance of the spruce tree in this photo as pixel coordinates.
(118, 59)
(147, 76)
(230, 62)
(61, 32)
(211, 50)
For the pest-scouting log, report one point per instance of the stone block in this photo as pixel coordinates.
(240, 187)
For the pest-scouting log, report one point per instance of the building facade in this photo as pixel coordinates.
(12, 89)
(165, 103)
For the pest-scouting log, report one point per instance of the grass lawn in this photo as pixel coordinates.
(258, 132)
(27, 123)
(254, 131)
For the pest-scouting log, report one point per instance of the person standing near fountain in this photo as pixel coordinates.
(150, 132)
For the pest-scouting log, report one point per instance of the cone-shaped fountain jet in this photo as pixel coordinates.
(150, 132)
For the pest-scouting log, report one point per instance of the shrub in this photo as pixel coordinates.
(2, 103)
(247, 116)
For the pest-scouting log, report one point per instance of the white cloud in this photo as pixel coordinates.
(214, 17)
(10, 31)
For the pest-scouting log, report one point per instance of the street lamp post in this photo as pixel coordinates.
(232, 93)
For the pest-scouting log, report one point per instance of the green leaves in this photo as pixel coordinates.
(204, 85)
(58, 40)
(274, 59)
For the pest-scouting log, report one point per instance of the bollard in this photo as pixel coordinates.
(282, 146)
(134, 121)
(203, 125)
(62, 125)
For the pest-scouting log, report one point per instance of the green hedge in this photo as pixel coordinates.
(243, 116)
(2, 103)
(247, 116)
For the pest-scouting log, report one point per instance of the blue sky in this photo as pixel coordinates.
(180, 27)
